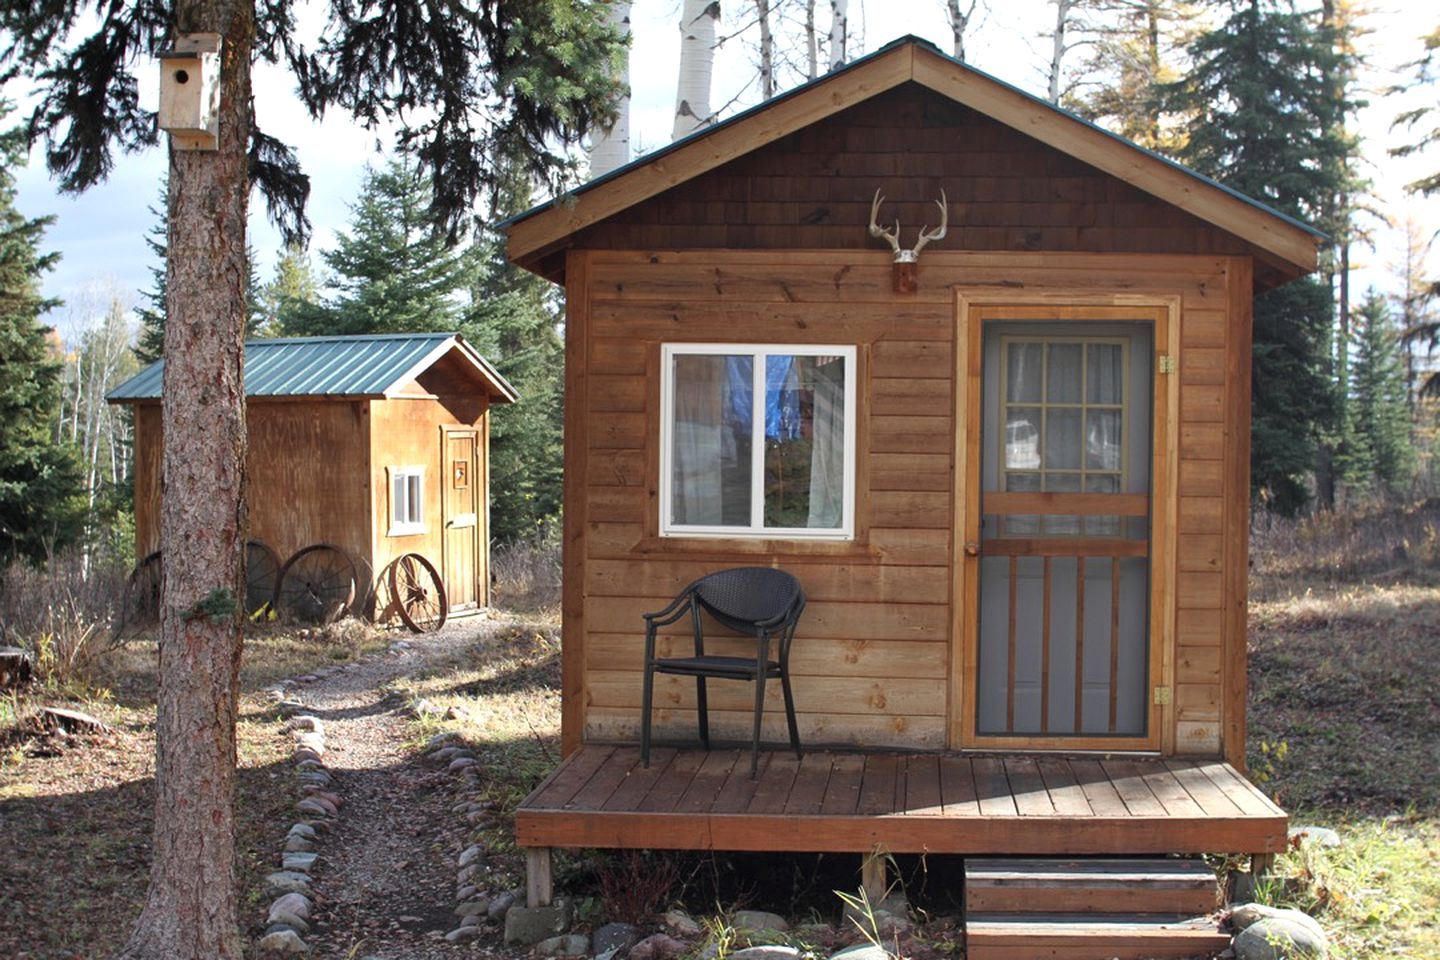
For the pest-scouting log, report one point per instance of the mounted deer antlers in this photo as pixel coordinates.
(892, 237)
(905, 260)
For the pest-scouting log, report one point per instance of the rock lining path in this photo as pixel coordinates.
(385, 879)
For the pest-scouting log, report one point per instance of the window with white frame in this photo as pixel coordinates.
(757, 440)
(407, 501)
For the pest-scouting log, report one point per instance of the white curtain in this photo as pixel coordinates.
(827, 452)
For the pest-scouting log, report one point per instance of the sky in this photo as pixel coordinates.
(101, 233)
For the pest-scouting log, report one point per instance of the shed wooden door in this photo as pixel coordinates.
(462, 517)
(1065, 602)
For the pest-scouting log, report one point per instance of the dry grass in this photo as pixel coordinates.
(528, 574)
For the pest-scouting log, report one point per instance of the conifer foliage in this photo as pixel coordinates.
(1377, 452)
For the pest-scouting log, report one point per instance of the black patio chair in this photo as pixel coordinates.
(757, 601)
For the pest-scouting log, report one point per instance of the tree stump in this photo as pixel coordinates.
(17, 667)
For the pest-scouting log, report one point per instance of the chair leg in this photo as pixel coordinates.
(647, 695)
(702, 705)
(755, 738)
(790, 712)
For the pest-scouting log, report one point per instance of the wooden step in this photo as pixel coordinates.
(1001, 936)
(1133, 886)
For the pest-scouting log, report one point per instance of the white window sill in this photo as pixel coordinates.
(406, 530)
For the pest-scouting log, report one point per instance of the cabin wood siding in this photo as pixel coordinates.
(813, 189)
(306, 470)
(874, 654)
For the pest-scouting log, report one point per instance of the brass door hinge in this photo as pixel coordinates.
(1162, 696)
(1167, 363)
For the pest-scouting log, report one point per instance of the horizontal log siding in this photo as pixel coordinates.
(872, 659)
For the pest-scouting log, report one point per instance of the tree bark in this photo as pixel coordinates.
(698, 22)
(839, 32)
(767, 49)
(611, 147)
(190, 906)
(812, 43)
(1058, 47)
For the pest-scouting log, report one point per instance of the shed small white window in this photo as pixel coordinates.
(407, 501)
(758, 441)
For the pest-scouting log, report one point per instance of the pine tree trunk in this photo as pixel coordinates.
(611, 148)
(190, 906)
(698, 22)
(839, 32)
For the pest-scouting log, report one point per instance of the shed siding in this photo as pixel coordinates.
(872, 660)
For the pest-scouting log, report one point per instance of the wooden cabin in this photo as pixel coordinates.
(378, 445)
(1012, 476)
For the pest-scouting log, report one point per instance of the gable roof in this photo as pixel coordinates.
(336, 367)
(543, 229)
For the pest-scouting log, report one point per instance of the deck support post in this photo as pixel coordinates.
(874, 879)
(539, 882)
(1260, 864)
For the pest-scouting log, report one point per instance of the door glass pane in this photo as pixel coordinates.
(1105, 378)
(1062, 375)
(1102, 439)
(1062, 483)
(1022, 438)
(1022, 372)
(804, 442)
(1022, 524)
(711, 440)
(1102, 483)
(1062, 438)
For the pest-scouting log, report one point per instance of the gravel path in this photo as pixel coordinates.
(386, 876)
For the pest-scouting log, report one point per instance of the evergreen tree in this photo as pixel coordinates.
(392, 271)
(1266, 120)
(1378, 415)
(291, 291)
(39, 481)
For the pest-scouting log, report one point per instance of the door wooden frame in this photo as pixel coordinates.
(482, 524)
(973, 308)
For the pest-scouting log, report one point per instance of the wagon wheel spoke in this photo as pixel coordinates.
(262, 569)
(317, 584)
(419, 593)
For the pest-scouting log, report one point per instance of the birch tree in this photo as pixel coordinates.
(960, 15)
(610, 147)
(699, 23)
(839, 32)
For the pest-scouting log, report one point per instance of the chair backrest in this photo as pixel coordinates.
(744, 596)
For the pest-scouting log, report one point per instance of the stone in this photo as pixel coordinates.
(440, 739)
(465, 893)
(298, 845)
(460, 934)
(283, 940)
(661, 946)
(1320, 836)
(757, 921)
(500, 906)
(471, 854)
(287, 881)
(422, 708)
(891, 925)
(302, 830)
(474, 920)
(443, 754)
(461, 763)
(289, 920)
(315, 807)
(567, 945)
(309, 764)
(682, 923)
(303, 862)
(767, 953)
(333, 799)
(529, 925)
(862, 951)
(1279, 938)
(306, 755)
(619, 937)
(319, 778)
(295, 904)
(305, 722)
(467, 875)
(473, 908)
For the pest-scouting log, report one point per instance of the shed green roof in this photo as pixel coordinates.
(358, 366)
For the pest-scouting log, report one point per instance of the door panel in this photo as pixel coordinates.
(1057, 594)
(462, 518)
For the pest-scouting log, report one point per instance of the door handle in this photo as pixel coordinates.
(972, 549)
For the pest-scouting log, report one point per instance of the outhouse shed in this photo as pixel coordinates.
(1009, 466)
(375, 446)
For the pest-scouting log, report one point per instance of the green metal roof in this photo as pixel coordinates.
(361, 366)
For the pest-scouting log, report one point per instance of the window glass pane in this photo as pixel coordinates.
(1022, 438)
(1102, 439)
(805, 442)
(1105, 379)
(1022, 372)
(711, 439)
(397, 498)
(1062, 375)
(1062, 438)
(415, 498)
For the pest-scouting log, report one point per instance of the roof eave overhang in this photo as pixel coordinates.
(498, 388)
(533, 239)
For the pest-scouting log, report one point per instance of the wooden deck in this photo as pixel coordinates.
(905, 803)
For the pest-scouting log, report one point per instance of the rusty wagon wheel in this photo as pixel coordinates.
(419, 593)
(140, 608)
(316, 585)
(262, 572)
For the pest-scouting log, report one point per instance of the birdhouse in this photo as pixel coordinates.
(190, 91)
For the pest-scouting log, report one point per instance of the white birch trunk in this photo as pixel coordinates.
(767, 49)
(611, 148)
(1057, 49)
(699, 20)
(812, 43)
(839, 32)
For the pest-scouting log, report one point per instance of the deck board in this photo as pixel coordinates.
(940, 803)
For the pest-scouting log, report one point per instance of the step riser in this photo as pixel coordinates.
(1126, 898)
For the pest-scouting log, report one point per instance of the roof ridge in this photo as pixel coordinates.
(352, 337)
